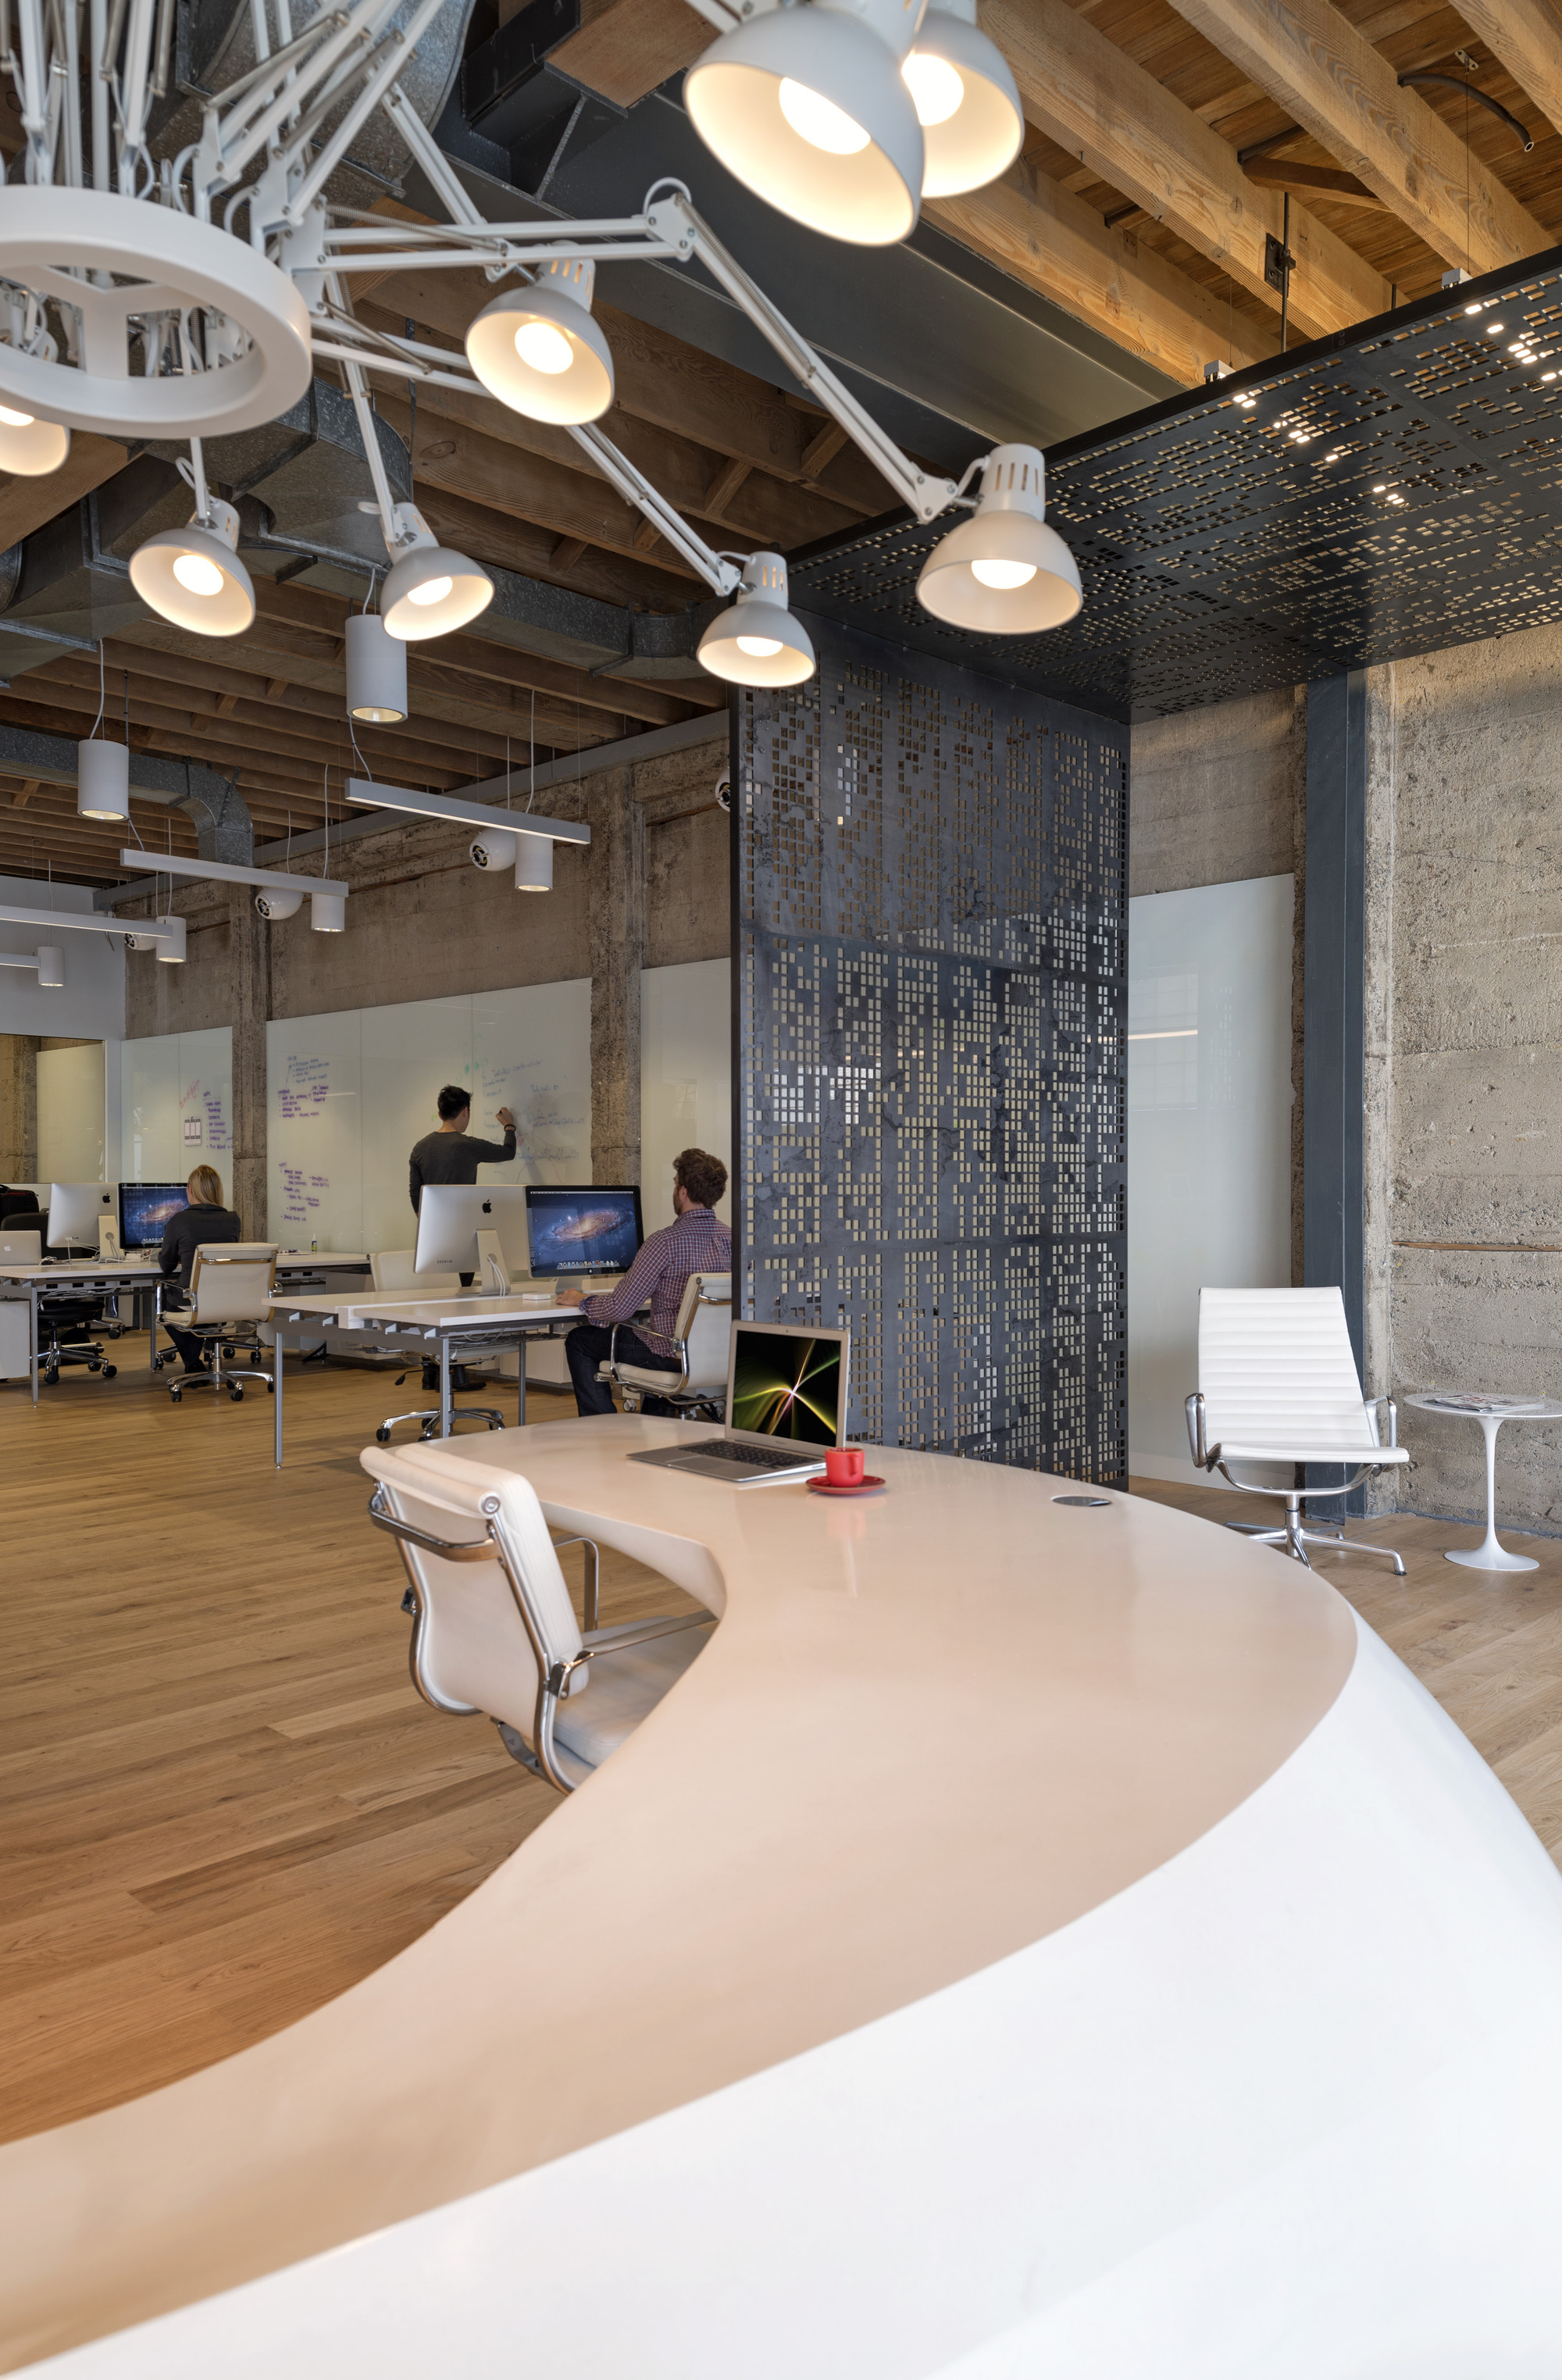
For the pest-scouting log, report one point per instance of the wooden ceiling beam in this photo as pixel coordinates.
(1526, 36)
(26, 504)
(1328, 182)
(1312, 62)
(1101, 106)
(1054, 242)
(506, 542)
(627, 48)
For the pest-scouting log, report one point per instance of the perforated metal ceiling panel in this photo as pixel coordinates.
(1374, 495)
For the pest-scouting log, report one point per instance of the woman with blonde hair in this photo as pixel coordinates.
(204, 1218)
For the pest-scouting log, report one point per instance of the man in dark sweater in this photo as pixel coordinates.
(450, 1154)
(204, 1218)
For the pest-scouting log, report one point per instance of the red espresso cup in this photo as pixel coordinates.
(843, 1466)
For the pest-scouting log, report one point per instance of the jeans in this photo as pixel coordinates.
(586, 1346)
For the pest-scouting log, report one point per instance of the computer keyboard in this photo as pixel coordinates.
(757, 1458)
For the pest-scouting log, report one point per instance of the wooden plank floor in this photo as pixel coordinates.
(223, 1803)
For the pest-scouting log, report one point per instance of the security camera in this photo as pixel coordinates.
(495, 852)
(275, 906)
(724, 788)
(140, 942)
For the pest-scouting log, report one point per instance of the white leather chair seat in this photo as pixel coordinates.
(1255, 1450)
(623, 1690)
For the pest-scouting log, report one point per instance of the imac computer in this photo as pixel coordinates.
(145, 1208)
(786, 1405)
(450, 1216)
(75, 1208)
(572, 1232)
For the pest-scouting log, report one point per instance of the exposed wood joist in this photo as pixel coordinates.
(1323, 181)
(626, 48)
(1311, 61)
(1102, 108)
(1526, 36)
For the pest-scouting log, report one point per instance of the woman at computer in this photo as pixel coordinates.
(204, 1218)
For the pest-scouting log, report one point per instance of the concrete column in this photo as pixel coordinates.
(250, 959)
(18, 1107)
(617, 897)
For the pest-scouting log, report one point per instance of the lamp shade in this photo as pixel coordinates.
(756, 641)
(534, 863)
(170, 940)
(376, 672)
(50, 967)
(1003, 572)
(103, 780)
(806, 107)
(193, 575)
(431, 590)
(967, 102)
(328, 913)
(538, 349)
(30, 447)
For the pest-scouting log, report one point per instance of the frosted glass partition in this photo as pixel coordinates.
(349, 1093)
(685, 1075)
(1209, 1100)
(71, 1114)
(177, 1105)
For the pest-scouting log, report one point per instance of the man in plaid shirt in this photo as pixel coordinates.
(697, 1242)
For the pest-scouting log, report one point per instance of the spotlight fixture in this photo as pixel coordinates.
(806, 107)
(429, 589)
(534, 863)
(278, 894)
(493, 852)
(538, 350)
(756, 641)
(193, 575)
(30, 447)
(50, 967)
(274, 906)
(967, 102)
(328, 913)
(1003, 571)
(103, 780)
(170, 932)
(376, 672)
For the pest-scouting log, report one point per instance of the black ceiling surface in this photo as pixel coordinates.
(1392, 490)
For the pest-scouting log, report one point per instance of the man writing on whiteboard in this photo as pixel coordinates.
(450, 1154)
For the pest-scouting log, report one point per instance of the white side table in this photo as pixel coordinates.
(1491, 1413)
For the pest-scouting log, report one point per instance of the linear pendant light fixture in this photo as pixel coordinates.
(278, 895)
(521, 839)
(47, 959)
(167, 934)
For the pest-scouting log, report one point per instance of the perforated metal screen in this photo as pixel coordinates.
(1384, 493)
(931, 895)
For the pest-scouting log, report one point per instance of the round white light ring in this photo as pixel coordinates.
(983, 137)
(103, 780)
(193, 577)
(733, 94)
(581, 394)
(951, 590)
(29, 447)
(376, 672)
(469, 592)
(182, 262)
(328, 913)
(758, 622)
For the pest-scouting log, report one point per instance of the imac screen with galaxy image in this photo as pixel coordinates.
(582, 1231)
(145, 1208)
(787, 1384)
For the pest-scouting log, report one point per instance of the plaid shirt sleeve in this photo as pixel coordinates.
(638, 1285)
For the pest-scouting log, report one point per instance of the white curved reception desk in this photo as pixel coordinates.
(1032, 1939)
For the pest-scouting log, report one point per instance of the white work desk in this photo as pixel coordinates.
(459, 1324)
(1031, 1940)
(33, 1282)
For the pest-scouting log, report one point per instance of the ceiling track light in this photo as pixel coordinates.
(278, 895)
(539, 351)
(756, 641)
(1004, 572)
(146, 934)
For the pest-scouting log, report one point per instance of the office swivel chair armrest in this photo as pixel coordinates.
(593, 1575)
(448, 1549)
(620, 1640)
(1205, 1456)
(682, 1346)
(1393, 1411)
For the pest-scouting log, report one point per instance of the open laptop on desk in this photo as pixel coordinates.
(786, 1403)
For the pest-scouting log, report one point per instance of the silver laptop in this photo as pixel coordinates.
(786, 1403)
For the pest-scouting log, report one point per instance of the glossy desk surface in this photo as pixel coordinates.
(456, 1309)
(125, 1269)
(930, 1729)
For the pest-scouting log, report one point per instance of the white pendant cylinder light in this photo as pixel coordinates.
(966, 99)
(103, 780)
(30, 447)
(169, 934)
(376, 672)
(193, 575)
(534, 863)
(50, 967)
(1003, 572)
(806, 107)
(756, 641)
(328, 913)
(538, 349)
(429, 588)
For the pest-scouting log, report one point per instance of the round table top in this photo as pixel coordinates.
(1473, 1406)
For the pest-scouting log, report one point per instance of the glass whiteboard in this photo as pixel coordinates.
(176, 1106)
(686, 1076)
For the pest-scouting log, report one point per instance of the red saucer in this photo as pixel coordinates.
(863, 1487)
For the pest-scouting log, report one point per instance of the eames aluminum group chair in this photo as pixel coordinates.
(232, 1282)
(392, 1268)
(701, 1338)
(493, 1628)
(1278, 1386)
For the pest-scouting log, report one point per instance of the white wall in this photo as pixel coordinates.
(686, 1076)
(71, 1114)
(1209, 1099)
(92, 1000)
(176, 1106)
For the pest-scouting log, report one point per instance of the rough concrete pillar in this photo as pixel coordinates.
(249, 958)
(1379, 1368)
(617, 895)
(18, 1107)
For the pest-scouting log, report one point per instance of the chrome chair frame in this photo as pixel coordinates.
(1293, 1538)
(711, 1408)
(226, 1338)
(554, 1678)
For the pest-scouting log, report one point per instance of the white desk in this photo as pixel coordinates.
(1031, 1940)
(460, 1323)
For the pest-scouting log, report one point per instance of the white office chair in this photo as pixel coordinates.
(232, 1286)
(393, 1269)
(701, 1336)
(1277, 1384)
(493, 1630)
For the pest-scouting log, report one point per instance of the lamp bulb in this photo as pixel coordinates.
(15, 421)
(758, 648)
(198, 574)
(433, 590)
(544, 347)
(935, 86)
(1003, 575)
(819, 122)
